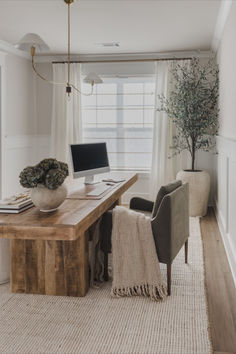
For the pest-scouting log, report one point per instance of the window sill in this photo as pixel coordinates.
(141, 173)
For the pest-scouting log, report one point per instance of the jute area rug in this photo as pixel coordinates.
(101, 324)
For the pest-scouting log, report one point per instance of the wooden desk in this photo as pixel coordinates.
(49, 252)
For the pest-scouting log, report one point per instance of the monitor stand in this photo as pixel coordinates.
(90, 180)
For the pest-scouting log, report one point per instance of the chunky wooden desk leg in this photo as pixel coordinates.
(50, 267)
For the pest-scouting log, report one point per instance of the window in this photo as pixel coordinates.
(121, 113)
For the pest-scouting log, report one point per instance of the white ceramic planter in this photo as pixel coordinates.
(48, 200)
(4, 261)
(199, 189)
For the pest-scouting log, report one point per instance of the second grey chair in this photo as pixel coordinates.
(170, 224)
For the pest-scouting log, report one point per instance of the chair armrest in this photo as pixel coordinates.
(141, 204)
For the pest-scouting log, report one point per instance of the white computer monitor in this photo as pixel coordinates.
(89, 160)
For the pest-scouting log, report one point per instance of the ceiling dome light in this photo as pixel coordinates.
(32, 39)
(93, 77)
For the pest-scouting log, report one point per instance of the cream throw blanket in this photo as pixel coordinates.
(136, 269)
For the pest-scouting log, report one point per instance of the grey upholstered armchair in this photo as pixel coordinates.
(170, 224)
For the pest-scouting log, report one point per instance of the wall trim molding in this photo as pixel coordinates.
(21, 151)
(225, 197)
(46, 58)
(229, 249)
(222, 18)
(25, 141)
(10, 49)
(227, 146)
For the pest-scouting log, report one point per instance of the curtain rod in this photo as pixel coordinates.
(118, 61)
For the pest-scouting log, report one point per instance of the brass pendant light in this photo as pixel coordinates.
(32, 41)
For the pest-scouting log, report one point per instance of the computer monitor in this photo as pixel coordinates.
(89, 160)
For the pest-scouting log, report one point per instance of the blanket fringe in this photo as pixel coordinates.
(155, 292)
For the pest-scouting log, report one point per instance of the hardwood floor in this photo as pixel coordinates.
(221, 292)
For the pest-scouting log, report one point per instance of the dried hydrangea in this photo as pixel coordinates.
(54, 179)
(49, 172)
(48, 164)
(64, 168)
(31, 176)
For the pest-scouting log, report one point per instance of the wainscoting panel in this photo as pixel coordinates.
(21, 151)
(226, 197)
(205, 161)
(232, 203)
(223, 188)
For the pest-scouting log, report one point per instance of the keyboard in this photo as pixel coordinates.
(98, 190)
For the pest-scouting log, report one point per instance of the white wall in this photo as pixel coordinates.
(20, 115)
(226, 58)
(21, 143)
(44, 92)
(18, 119)
(18, 124)
(226, 161)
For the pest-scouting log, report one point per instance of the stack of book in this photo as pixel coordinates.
(16, 204)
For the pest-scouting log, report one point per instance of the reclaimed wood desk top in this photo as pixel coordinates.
(67, 223)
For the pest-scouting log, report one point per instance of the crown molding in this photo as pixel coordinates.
(121, 56)
(47, 58)
(10, 49)
(222, 18)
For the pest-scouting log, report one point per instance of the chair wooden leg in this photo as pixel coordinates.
(168, 279)
(106, 266)
(186, 251)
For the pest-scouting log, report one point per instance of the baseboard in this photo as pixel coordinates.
(229, 249)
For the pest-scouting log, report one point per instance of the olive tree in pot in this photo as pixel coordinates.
(192, 106)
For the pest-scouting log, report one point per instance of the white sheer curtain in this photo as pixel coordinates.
(164, 168)
(66, 127)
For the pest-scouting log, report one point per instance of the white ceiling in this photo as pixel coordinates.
(139, 25)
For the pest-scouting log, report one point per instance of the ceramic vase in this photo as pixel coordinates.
(48, 200)
(199, 189)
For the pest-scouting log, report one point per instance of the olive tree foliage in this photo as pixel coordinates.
(192, 106)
